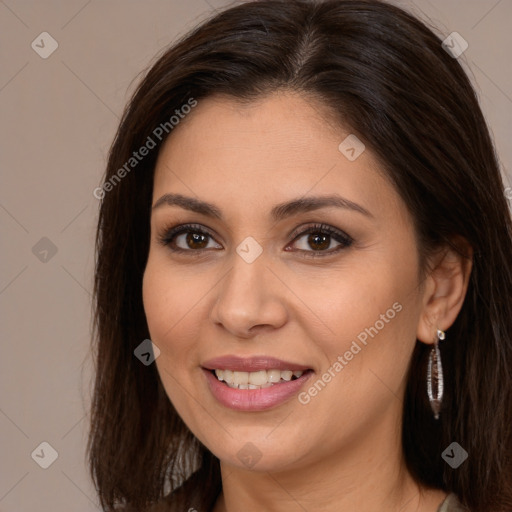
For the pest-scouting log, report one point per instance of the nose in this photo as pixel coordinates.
(250, 299)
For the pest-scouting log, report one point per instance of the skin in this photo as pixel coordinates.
(342, 450)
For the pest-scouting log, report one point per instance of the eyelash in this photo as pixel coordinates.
(346, 241)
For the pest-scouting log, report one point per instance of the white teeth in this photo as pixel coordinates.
(255, 380)
(287, 375)
(240, 378)
(273, 375)
(228, 377)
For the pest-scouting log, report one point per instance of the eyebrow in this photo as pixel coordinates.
(278, 212)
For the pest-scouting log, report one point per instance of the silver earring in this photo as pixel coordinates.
(435, 376)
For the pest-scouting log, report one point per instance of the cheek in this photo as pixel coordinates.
(168, 303)
(367, 309)
(374, 319)
(169, 297)
(357, 301)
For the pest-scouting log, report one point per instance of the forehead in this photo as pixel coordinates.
(275, 125)
(282, 145)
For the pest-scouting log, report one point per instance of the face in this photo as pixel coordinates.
(318, 302)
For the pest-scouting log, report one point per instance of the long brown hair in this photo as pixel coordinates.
(386, 76)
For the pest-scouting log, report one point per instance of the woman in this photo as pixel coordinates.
(303, 285)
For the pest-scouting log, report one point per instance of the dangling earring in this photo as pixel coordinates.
(435, 376)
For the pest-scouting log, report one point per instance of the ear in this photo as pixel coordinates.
(445, 289)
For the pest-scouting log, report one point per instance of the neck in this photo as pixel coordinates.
(360, 477)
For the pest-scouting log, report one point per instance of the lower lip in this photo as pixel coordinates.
(254, 399)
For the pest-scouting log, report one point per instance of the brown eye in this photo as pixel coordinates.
(196, 240)
(187, 238)
(319, 239)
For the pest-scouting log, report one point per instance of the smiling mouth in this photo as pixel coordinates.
(257, 380)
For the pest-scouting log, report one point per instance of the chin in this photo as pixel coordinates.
(255, 453)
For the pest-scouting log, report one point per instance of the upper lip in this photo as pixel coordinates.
(251, 364)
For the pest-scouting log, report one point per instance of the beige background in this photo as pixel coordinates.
(58, 117)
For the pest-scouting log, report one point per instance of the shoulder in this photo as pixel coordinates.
(452, 504)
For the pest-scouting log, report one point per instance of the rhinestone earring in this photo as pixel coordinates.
(435, 376)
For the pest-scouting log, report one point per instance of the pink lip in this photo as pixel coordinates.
(251, 364)
(254, 399)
